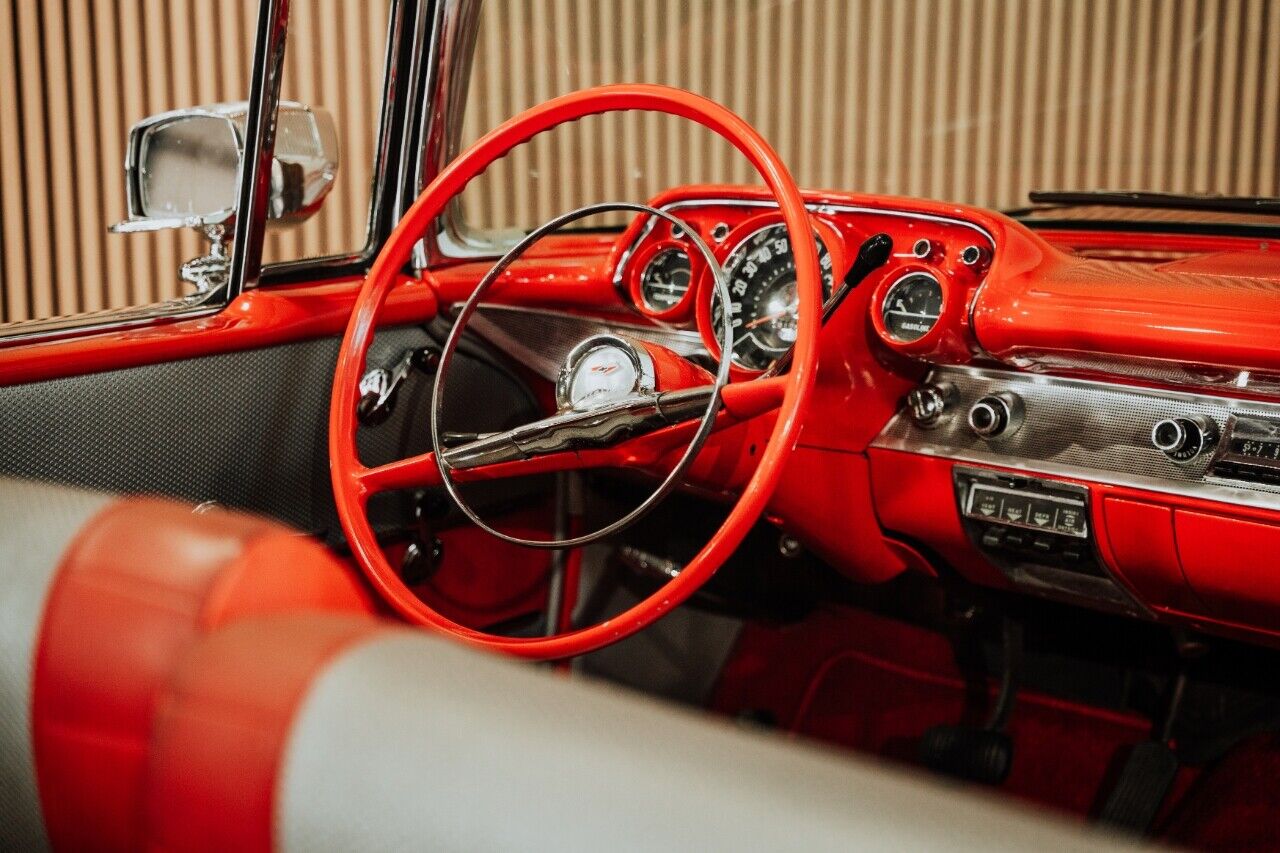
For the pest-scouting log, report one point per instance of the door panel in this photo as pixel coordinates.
(247, 429)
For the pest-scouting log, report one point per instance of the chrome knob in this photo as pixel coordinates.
(930, 401)
(1183, 439)
(996, 415)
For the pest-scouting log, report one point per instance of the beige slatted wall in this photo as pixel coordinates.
(965, 100)
(969, 100)
(76, 74)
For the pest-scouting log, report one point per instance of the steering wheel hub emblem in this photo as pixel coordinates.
(604, 369)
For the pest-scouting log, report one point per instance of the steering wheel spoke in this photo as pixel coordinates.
(632, 433)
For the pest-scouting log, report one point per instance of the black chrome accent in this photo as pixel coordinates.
(1184, 438)
(259, 147)
(1259, 205)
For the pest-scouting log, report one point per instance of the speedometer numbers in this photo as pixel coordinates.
(761, 272)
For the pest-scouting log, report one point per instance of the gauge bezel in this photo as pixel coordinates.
(929, 340)
(739, 235)
(901, 281)
(639, 263)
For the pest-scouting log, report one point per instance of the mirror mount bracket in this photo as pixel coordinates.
(211, 272)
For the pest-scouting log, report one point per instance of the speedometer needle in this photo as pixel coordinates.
(767, 318)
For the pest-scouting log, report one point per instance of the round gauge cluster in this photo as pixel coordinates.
(665, 280)
(761, 272)
(911, 307)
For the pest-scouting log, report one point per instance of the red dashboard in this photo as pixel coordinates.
(1079, 344)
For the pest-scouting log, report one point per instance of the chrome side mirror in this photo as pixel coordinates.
(180, 172)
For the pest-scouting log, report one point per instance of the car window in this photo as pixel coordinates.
(961, 100)
(335, 58)
(74, 77)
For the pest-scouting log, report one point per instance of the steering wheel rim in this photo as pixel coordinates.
(351, 480)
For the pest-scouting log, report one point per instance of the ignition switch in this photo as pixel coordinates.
(930, 401)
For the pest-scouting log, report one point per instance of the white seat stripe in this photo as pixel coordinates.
(37, 522)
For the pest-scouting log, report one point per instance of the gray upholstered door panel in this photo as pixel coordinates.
(247, 429)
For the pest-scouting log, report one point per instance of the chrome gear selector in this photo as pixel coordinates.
(1184, 438)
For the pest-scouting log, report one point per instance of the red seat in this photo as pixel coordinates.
(179, 699)
(107, 595)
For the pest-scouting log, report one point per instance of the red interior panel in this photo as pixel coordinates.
(1231, 565)
(914, 496)
(1143, 553)
(1177, 313)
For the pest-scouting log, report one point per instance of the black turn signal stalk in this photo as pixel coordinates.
(872, 254)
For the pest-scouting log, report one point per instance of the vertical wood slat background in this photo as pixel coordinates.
(76, 74)
(967, 100)
(973, 101)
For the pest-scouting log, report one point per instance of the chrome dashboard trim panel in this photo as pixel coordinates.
(1083, 429)
(557, 333)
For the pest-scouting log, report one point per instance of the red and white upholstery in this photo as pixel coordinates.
(163, 688)
(337, 733)
(100, 599)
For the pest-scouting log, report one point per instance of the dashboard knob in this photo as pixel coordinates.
(1183, 439)
(996, 415)
(930, 401)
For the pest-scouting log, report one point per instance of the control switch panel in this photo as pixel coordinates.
(1037, 531)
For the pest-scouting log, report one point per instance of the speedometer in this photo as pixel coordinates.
(761, 272)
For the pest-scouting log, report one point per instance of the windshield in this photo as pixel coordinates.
(959, 100)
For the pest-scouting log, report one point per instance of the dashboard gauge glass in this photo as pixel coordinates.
(664, 282)
(761, 272)
(911, 307)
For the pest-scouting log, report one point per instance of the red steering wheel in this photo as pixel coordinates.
(354, 483)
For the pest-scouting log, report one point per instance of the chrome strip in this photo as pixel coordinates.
(254, 177)
(74, 325)
(1083, 429)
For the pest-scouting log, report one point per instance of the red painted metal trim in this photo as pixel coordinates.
(258, 318)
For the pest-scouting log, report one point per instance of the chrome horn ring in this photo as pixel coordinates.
(704, 427)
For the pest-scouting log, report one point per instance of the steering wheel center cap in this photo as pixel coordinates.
(602, 370)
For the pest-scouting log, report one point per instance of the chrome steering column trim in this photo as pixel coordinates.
(580, 430)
